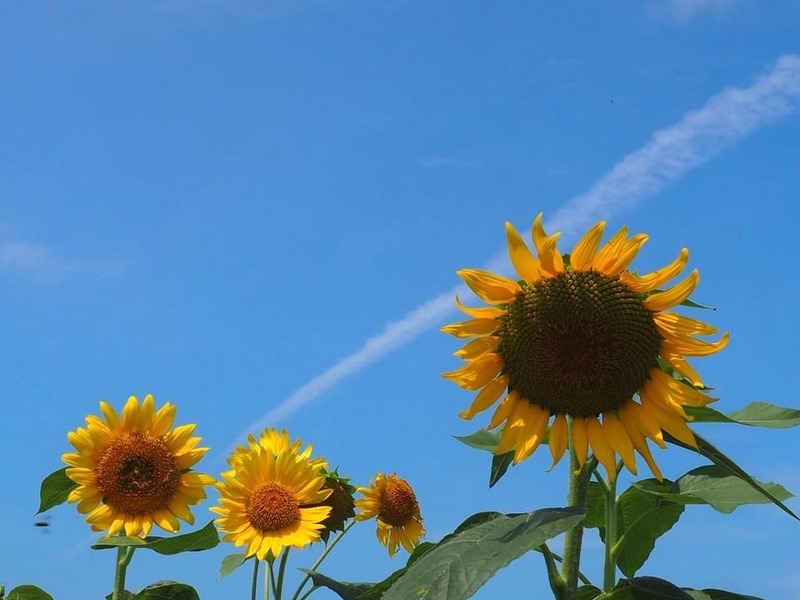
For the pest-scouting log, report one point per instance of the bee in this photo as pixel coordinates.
(43, 523)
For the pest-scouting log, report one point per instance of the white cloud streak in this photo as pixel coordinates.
(40, 262)
(669, 154)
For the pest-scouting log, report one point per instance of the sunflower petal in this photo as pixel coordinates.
(601, 447)
(491, 288)
(558, 439)
(584, 251)
(654, 280)
(525, 264)
(471, 328)
(486, 397)
(485, 312)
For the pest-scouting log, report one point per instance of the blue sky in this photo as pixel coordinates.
(255, 210)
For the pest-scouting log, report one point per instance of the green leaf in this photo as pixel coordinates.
(715, 594)
(646, 588)
(461, 563)
(707, 449)
(167, 590)
(642, 518)
(500, 464)
(346, 591)
(595, 506)
(725, 492)
(28, 592)
(588, 592)
(202, 539)
(55, 490)
(230, 563)
(126, 595)
(481, 439)
(756, 414)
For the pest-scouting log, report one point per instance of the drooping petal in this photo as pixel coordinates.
(654, 280)
(486, 397)
(689, 346)
(559, 438)
(472, 328)
(533, 433)
(477, 373)
(580, 442)
(484, 312)
(474, 348)
(600, 446)
(673, 296)
(620, 440)
(677, 325)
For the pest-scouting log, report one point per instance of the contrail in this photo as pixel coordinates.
(670, 153)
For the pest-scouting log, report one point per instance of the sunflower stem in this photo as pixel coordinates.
(321, 558)
(254, 583)
(557, 583)
(576, 497)
(269, 578)
(124, 557)
(609, 562)
(281, 573)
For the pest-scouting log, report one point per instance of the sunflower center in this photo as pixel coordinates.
(137, 474)
(580, 343)
(272, 507)
(398, 503)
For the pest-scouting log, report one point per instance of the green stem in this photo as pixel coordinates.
(254, 584)
(557, 583)
(583, 578)
(281, 573)
(609, 562)
(270, 583)
(124, 556)
(578, 486)
(321, 558)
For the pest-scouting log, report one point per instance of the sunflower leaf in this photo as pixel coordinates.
(230, 563)
(28, 592)
(167, 590)
(482, 439)
(345, 590)
(202, 539)
(646, 588)
(707, 449)
(715, 594)
(500, 464)
(755, 414)
(55, 490)
(715, 486)
(588, 592)
(459, 565)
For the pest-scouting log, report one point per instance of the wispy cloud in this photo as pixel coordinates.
(42, 263)
(686, 9)
(669, 154)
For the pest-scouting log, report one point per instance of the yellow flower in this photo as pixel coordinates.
(581, 340)
(276, 442)
(267, 497)
(391, 499)
(133, 471)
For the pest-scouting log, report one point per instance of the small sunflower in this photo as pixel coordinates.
(391, 499)
(133, 470)
(584, 341)
(268, 498)
(341, 502)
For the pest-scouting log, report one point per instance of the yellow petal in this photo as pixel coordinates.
(656, 279)
(620, 440)
(680, 392)
(610, 251)
(533, 433)
(682, 367)
(689, 346)
(628, 252)
(486, 397)
(673, 296)
(491, 288)
(472, 328)
(559, 437)
(478, 372)
(537, 233)
(584, 251)
(550, 258)
(525, 264)
(485, 312)
(673, 424)
(600, 446)
(476, 347)
(638, 440)
(675, 324)
(580, 442)
(503, 409)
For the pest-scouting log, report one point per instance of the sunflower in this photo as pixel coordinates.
(276, 442)
(133, 470)
(583, 341)
(267, 497)
(391, 499)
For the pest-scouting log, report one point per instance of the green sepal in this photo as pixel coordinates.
(55, 490)
(202, 539)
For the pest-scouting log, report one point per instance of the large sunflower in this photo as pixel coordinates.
(391, 499)
(267, 497)
(133, 471)
(582, 340)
